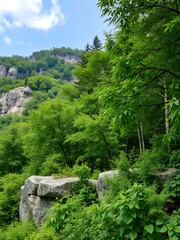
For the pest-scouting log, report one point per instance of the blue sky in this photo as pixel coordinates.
(32, 25)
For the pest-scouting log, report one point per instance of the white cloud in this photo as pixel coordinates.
(7, 40)
(30, 14)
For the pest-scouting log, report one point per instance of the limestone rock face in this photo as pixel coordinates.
(69, 58)
(3, 71)
(38, 194)
(32, 183)
(38, 208)
(13, 101)
(12, 73)
(23, 207)
(56, 187)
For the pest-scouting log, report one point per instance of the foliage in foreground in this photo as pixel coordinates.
(135, 213)
(17, 231)
(10, 197)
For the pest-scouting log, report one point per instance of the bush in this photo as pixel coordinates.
(43, 233)
(85, 189)
(10, 197)
(173, 185)
(136, 213)
(83, 172)
(174, 160)
(17, 231)
(51, 165)
(145, 165)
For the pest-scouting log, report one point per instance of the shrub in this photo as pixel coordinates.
(136, 213)
(43, 233)
(85, 189)
(9, 197)
(173, 185)
(174, 160)
(17, 231)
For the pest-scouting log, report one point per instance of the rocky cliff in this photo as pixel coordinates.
(13, 101)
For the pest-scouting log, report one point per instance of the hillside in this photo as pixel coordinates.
(57, 63)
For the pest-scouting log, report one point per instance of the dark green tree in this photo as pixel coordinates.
(96, 45)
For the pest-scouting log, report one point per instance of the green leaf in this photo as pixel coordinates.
(170, 233)
(149, 228)
(133, 215)
(133, 235)
(173, 238)
(177, 229)
(170, 226)
(163, 229)
(159, 222)
(128, 220)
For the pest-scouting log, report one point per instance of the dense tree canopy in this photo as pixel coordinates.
(145, 52)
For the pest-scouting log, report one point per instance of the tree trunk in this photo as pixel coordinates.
(167, 125)
(142, 137)
(139, 138)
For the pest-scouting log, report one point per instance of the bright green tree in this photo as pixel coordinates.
(145, 56)
(12, 159)
(49, 127)
(94, 72)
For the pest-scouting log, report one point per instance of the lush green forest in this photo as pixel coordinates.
(123, 113)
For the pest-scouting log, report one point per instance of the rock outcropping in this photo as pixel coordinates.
(3, 71)
(68, 57)
(38, 194)
(12, 73)
(13, 101)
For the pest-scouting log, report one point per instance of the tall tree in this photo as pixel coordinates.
(146, 55)
(97, 45)
(96, 70)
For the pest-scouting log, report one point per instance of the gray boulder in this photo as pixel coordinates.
(162, 177)
(69, 57)
(24, 206)
(39, 208)
(102, 185)
(56, 187)
(38, 194)
(32, 183)
(12, 73)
